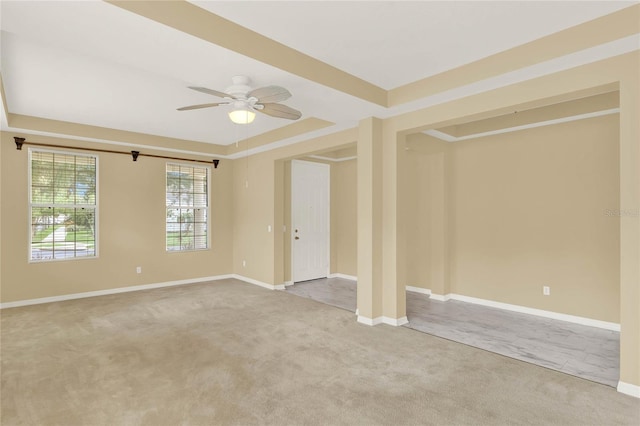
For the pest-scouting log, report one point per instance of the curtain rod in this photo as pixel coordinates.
(134, 154)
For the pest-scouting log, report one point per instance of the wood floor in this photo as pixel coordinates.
(587, 352)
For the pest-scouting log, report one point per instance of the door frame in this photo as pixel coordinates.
(328, 202)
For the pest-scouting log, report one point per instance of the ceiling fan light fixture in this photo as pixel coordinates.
(242, 116)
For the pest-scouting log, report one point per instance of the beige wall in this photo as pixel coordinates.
(131, 229)
(529, 210)
(286, 214)
(507, 214)
(254, 211)
(428, 166)
(344, 212)
(2, 201)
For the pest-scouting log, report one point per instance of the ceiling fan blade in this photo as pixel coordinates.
(215, 104)
(269, 94)
(212, 92)
(280, 111)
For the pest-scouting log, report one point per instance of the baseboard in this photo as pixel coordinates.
(369, 321)
(288, 283)
(538, 312)
(258, 283)
(84, 295)
(628, 389)
(343, 276)
(396, 322)
(383, 320)
(418, 290)
(517, 308)
(440, 297)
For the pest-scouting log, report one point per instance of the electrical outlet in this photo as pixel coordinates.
(244, 263)
(269, 228)
(139, 269)
(546, 290)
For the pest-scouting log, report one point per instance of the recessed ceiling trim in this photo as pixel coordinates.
(441, 135)
(198, 22)
(595, 54)
(601, 31)
(105, 133)
(335, 160)
(301, 127)
(345, 128)
(448, 138)
(26, 131)
(264, 148)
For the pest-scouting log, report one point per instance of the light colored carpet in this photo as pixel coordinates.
(231, 353)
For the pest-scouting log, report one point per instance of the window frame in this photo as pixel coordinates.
(30, 206)
(207, 208)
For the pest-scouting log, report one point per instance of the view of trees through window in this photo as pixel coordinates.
(63, 205)
(187, 207)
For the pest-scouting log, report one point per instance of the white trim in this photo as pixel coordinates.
(440, 297)
(258, 283)
(418, 290)
(343, 276)
(396, 322)
(628, 389)
(109, 291)
(288, 283)
(538, 312)
(357, 311)
(335, 160)
(449, 138)
(369, 321)
(517, 308)
(441, 135)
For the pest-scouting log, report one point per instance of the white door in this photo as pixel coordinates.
(309, 220)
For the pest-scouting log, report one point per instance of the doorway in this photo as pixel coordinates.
(310, 212)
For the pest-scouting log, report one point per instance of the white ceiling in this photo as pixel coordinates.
(392, 43)
(93, 63)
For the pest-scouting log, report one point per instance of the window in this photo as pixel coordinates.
(187, 207)
(62, 205)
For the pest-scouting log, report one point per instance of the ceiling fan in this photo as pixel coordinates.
(246, 100)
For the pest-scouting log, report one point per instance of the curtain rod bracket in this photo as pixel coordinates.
(19, 142)
(134, 154)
